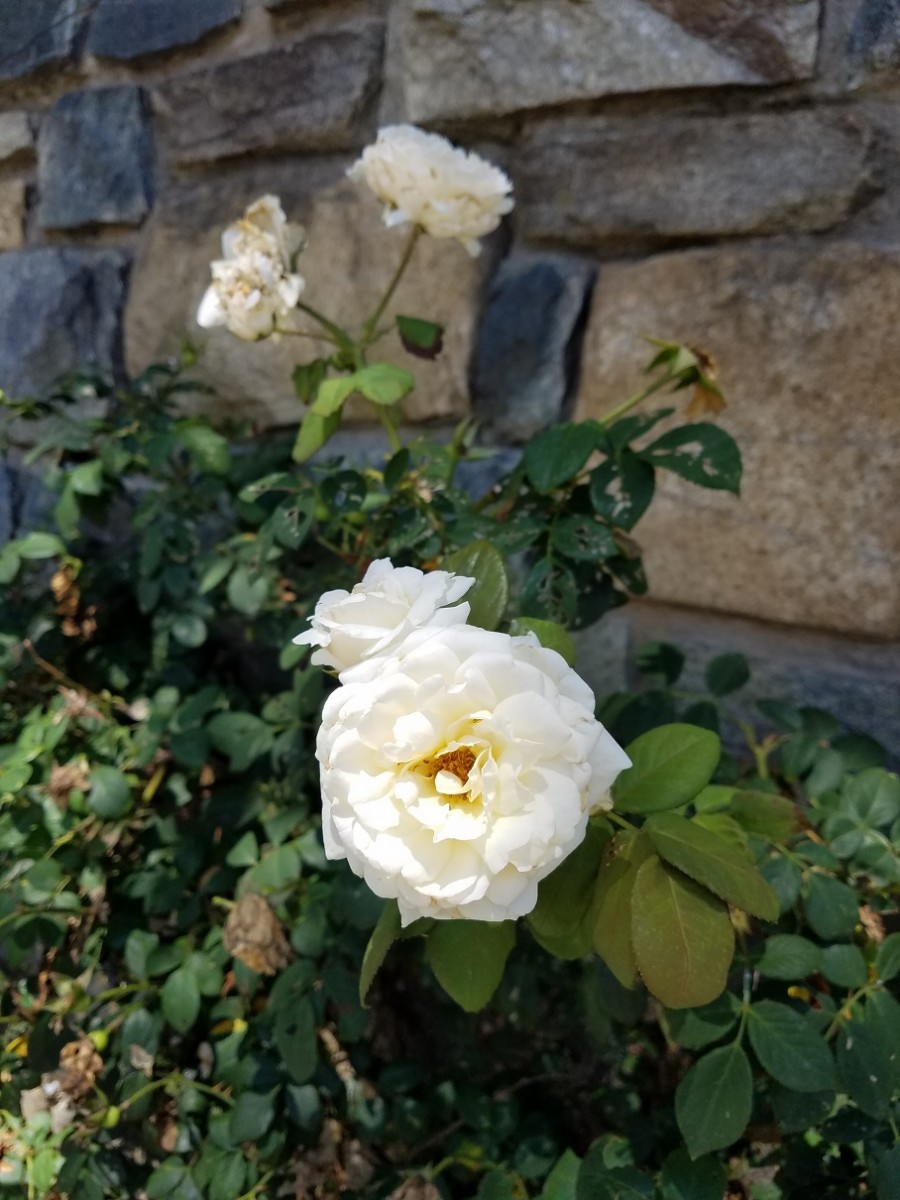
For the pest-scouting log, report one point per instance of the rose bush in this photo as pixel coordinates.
(384, 608)
(460, 771)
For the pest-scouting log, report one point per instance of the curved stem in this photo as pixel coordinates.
(390, 428)
(369, 327)
(621, 409)
(340, 337)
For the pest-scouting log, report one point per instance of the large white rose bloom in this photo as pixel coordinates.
(459, 772)
(253, 284)
(382, 610)
(420, 177)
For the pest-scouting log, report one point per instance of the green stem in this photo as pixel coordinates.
(307, 333)
(387, 421)
(619, 820)
(340, 337)
(257, 1187)
(369, 327)
(621, 409)
(845, 1008)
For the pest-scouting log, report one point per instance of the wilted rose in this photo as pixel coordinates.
(254, 285)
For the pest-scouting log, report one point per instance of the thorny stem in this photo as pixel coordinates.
(60, 677)
(369, 327)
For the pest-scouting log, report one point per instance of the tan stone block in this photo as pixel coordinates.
(805, 342)
(15, 134)
(13, 202)
(349, 259)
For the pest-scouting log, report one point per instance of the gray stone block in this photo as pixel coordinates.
(128, 29)
(873, 47)
(60, 310)
(312, 95)
(34, 33)
(587, 180)
(525, 360)
(459, 59)
(95, 159)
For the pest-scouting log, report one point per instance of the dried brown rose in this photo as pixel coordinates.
(254, 935)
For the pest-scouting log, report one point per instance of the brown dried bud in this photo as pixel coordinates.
(415, 1188)
(79, 1066)
(66, 779)
(254, 935)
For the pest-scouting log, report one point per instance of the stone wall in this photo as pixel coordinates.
(723, 172)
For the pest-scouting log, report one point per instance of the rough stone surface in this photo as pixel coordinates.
(124, 29)
(804, 334)
(15, 135)
(527, 345)
(593, 179)
(855, 680)
(873, 47)
(60, 310)
(95, 159)
(347, 265)
(37, 32)
(315, 96)
(13, 194)
(458, 59)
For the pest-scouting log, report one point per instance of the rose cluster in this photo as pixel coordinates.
(458, 766)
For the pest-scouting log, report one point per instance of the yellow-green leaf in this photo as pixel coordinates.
(611, 910)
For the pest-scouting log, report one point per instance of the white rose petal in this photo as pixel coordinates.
(459, 770)
(421, 178)
(254, 287)
(381, 611)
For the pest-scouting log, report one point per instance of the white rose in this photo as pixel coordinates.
(460, 772)
(422, 178)
(381, 611)
(253, 285)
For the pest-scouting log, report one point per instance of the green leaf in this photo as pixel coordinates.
(873, 797)
(787, 956)
(385, 933)
(697, 1028)
(685, 1179)
(243, 737)
(682, 937)
(213, 574)
(278, 869)
(295, 1039)
(845, 966)
(621, 489)
(865, 1068)
(383, 383)
(702, 453)
(38, 545)
(597, 1181)
(307, 378)
(832, 908)
(313, 433)
(138, 947)
(228, 1177)
(9, 563)
(561, 1182)
(611, 910)
(789, 1048)
(555, 457)
(489, 595)
(87, 478)
(292, 520)
(468, 958)
(548, 633)
(887, 1175)
(882, 1014)
(208, 449)
(560, 919)
(583, 538)
(424, 339)
(726, 673)
(189, 630)
(252, 1116)
(661, 659)
(181, 999)
(245, 852)
(887, 959)
(796, 1112)
(550, 592)
(247, 592)
(765, 814)
(331, 395)
(714, 1100)
(110, 794)
(670, 765)
(711, 861)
